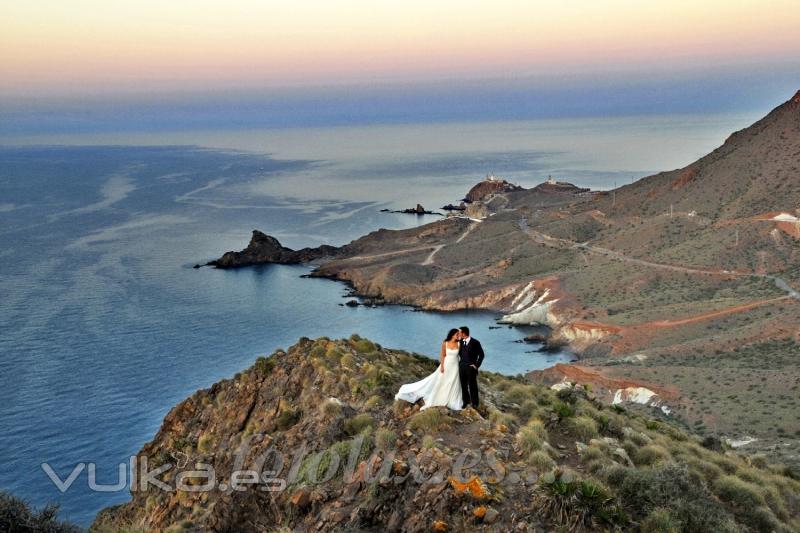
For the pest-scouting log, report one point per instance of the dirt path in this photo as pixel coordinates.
(644, 262)
(430, 258)
(543, 238)
(711, 314)
(467, 232)
(389, 254)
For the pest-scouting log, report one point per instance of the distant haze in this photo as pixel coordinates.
(93, 65)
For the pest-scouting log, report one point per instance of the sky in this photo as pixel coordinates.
(56, 53)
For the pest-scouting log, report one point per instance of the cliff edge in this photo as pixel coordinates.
(310, 439)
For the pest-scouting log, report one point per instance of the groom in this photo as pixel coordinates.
(470, 357)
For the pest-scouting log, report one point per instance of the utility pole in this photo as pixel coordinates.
(614, 196)
(737, 237)
(670, 210)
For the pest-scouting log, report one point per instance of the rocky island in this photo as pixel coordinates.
(418, 210)
(685, 280)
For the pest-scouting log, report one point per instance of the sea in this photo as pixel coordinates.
(105, 325)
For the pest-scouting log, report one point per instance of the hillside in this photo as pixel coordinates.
(756, 171)
(322, 417)
(701, 299)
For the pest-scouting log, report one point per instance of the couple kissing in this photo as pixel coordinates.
(454, 384)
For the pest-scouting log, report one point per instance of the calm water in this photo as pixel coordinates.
(104, 326)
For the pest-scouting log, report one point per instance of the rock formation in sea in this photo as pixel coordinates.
(264, 248)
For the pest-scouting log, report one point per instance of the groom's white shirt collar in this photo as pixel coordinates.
(466, 341)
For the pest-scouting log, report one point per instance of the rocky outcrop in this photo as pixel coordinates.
(311, 440)
(477, 210)
(264, 248)
(418, 210)
(532, 307)
(488, 187)
(558, 187)
(349, 457)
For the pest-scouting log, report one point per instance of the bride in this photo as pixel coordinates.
(443, 387)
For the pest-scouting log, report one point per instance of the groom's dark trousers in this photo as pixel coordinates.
(470, 358)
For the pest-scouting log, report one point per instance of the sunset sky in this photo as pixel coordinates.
(78, 50)
(110, 44)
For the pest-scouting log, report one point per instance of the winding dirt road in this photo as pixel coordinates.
(549, 240)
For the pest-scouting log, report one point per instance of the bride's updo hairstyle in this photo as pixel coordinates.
(450, 335)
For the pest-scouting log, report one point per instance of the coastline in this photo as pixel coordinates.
(658, 287)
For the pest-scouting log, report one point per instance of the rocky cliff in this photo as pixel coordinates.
(488, 187)
(311, 440)
(264, 248)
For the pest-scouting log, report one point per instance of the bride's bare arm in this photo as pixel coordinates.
(441, 358)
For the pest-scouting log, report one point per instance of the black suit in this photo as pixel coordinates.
(469, 355)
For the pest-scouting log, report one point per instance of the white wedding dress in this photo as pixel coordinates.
(440, 388)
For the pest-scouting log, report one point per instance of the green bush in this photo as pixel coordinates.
(759, 460)
(318, 351)
(531, 436)
(358, 424)
(748, 502)
(333, 353)
(571, 395)
(385, 439)
(364, 346)
(761, 519)
(429, 420)
(660, 521)
(563, 410)
(611, 425)
(264, 365)
(593, 453)
(518, 394)
(577, 504)
(499, 417)
(377, 375)
(709, 471)
(16, 515)
(331, 408)
(205, 443)
(650, 455)
(373, 401)
(337, 454)
(530, 409)
(776, 503)
(737, 492)
(671, 487)
(540, 460)
(582, 427)
(287, 418)
(428, 442)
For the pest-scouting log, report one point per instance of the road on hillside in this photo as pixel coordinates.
(549, 240)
